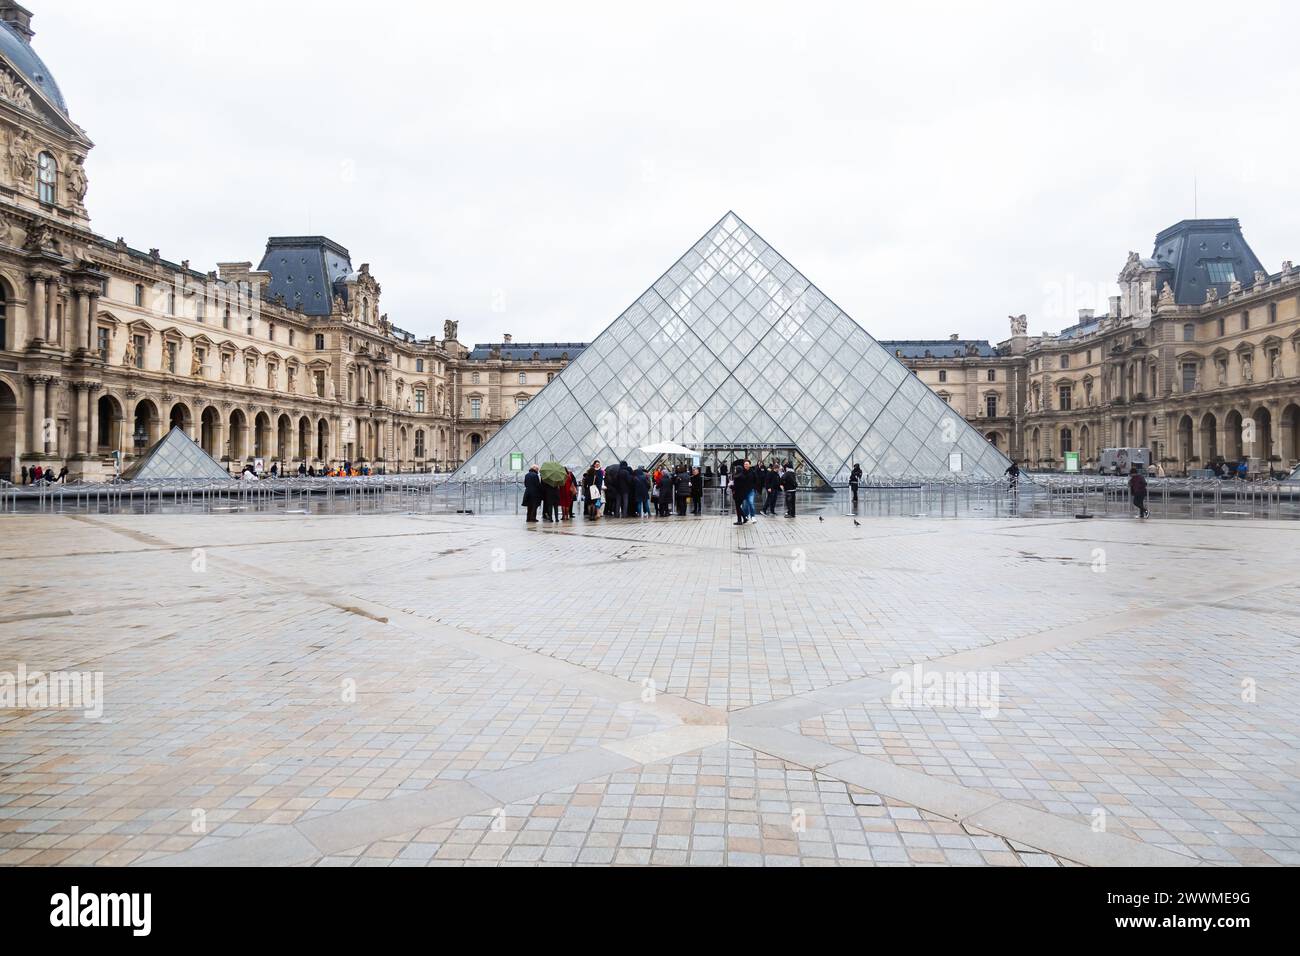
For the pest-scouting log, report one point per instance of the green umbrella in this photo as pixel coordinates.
(552, 473)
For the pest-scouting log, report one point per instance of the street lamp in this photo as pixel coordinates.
(140, 437)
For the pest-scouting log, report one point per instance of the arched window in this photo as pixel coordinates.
(523, 378)
(47, 178)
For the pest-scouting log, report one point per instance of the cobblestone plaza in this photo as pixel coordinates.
(459, 690)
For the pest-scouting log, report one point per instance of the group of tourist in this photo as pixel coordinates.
(36, 474)
(621, 491)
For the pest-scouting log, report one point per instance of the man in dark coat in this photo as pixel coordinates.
(681, 489)
(641, 493)
(790, 483)
(532, 494)
(611, 491)
(742, 483)
(855, 477)
(697, 490)
(773, 488)
(625, 483)
(665, 490)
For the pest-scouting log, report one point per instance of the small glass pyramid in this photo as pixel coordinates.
(175, 456)
(733, 348)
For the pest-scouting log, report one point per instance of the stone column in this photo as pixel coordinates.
(92, 313)
(76, 428)
(51, 292)
(92, 419)
(36, 309)
(36, 438)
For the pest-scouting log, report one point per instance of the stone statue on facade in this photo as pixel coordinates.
(128, 357)
(1019, 324)
(225, 368)
(449, 330)
(1275, 369)
(196, 364)
(1247, 369)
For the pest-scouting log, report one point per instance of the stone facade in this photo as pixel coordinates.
(1194, 375)
(103, 346)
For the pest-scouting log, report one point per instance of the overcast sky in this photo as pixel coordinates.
(532, 168)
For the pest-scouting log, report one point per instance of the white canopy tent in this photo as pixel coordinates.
(670, 448)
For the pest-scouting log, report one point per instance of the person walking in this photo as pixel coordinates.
(665, 491)
(1243, 469)
(610, 491)
(740, 489)
(1137, 487)
(697, 490)
(772, 490)
(532, 494)
(26, 476)
(63, 475)
(550, 502)
(1013, 474)
(36, 474)
(641, 492)
(855, 478)
(751, 488)
(790, 483)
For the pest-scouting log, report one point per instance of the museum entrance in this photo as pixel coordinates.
(715, 459)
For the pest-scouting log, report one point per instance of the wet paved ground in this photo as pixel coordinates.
(411, 690)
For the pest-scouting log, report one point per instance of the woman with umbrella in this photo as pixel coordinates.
(552, 479)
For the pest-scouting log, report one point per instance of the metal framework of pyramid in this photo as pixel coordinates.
(175, 456)
(733, 347)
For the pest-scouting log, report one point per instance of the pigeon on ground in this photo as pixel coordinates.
(855, 523)
(820, 518)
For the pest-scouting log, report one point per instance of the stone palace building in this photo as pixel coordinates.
(103, 346)
(1197, 358)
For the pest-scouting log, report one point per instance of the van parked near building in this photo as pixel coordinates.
(1117, 461)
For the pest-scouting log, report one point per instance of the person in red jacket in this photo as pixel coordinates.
(1137, 487)
(568, 491)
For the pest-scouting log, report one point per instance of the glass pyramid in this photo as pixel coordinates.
(174, 456)
(733, 348)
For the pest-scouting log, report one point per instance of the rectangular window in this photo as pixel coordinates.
(1245, 321)
(1063, 393)
(320, 384)
(1221, 272)
(171, 357)
(419, 365)
(291, 336)
(521, 401)
(943, 375)
(993, 375)
(1189, 376)
(1189, 332)
(320, 342)
(1065, 361)
(225, 319)
(139, 350)
(991, 406)
(1089, 359)
(1221, 325)
(476, 408)
(419, 399)
(199, 309)
(101, 343)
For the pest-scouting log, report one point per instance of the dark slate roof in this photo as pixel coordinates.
(936, 348)
(1188, 247)
(1080, 329)
(523, 351)
(20, 53)
(305, 270)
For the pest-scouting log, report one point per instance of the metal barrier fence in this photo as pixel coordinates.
(1035, 496)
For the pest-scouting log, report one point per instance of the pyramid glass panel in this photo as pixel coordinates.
(175, 456)
(734, 346)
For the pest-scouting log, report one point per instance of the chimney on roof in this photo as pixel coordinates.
(954, 337)
(18, 17)
(506, 338)
(1085, 315)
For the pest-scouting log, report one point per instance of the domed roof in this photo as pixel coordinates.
(20, 53)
